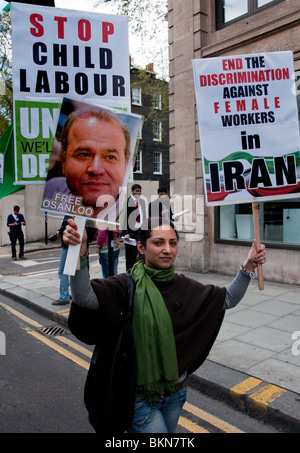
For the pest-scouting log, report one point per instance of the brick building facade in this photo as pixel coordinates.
(150, 98)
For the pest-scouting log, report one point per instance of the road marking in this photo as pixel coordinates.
(36, 273)
(262, 397)
(244, 386)
(69, 355)
(40, 262)
(184, 422)
(266, 395)
(33, 323)
(64, 312)
(213, 420)
(26, 263)
(21, 316)
(191, 426)
(75, 346)
(46, 250)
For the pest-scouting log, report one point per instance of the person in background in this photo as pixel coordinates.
(134, 217)
(102, 243)
(161, 206)
(15, 222)
(64, 284)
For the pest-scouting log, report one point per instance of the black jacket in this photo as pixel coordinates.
(131, 215)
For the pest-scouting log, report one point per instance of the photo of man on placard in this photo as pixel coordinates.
(92, 159)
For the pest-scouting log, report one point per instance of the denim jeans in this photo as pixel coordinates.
(161, 418)
(64, 279)
(103, 260)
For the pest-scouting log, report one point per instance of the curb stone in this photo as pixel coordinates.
(219, 381)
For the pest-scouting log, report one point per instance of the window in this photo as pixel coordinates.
(233, 8)
(279, 222)
(263, 2)
(136, 96)
(230, 10)
(157, 128)
(157, 162)
(138, 168)
(156, 100)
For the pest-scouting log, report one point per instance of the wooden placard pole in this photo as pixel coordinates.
(73, 250)
(257, 241)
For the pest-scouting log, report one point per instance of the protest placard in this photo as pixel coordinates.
(91, 161)
(56, 53)
(249, 131)
(248, 125)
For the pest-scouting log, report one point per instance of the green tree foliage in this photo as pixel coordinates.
(148, 22)
(147, 19)
(139, 12)
(6, 103)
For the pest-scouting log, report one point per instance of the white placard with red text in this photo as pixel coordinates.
(248, 124)
(62, 53)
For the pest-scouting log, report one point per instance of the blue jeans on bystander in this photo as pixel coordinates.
(64, 295)
(103, 260)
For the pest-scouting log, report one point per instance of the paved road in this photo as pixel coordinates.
(41, 390)
(38, 261)
(42, 379)
(255, 360)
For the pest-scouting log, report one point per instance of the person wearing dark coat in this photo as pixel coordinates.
(15, 221)
(161, 206)
(135, 215)
(175, 319)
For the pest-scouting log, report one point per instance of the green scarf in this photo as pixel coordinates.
(153, 333)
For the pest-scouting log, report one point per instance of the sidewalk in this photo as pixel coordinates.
(255, 362)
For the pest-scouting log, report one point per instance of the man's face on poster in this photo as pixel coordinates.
(94, 163)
